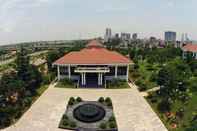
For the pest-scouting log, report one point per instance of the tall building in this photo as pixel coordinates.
(117, 35)
(125, 36)
(134, 36)
(108, 35)
(170, 36)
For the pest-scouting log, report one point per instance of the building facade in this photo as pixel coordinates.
(190, 48)
(93, 66)
(108, 35)
(170, 36)
(134, 36)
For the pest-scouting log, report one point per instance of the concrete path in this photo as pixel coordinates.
(131, 110)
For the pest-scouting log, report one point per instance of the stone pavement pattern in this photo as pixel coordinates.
(131, 110)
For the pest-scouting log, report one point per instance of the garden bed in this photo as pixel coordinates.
(97, 115)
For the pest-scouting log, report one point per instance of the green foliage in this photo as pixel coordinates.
(117, 83)
(65, 122)
(112, 119)
(164, 106)
(66, 81)
(73, 124)
(71, 101)
(51, 57)
(10, 83)
(23, 64)
(193, 84)
(78, 99)
(65, 117)
(112, 124)
(108, 101)
(141, 84)
(101, 99)
(103, 125)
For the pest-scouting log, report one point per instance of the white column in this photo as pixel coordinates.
(58, 72)
(116, 71)
(127, 72)
(101, 79)
(69, 73)
(84, 78)
(98, 78)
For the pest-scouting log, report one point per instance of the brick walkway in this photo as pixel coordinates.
(131, 110)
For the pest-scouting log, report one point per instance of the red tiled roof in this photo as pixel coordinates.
(94, 43)
(190, 47)
(93, 55)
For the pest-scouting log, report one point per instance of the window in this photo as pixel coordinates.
(122, 70)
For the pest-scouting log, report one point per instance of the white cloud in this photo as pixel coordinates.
(170, 3)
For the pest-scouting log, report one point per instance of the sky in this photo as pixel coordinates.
(34, 20)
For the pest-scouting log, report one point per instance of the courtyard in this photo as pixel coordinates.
(131, 110)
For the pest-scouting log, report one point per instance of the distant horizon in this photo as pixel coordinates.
(48, 20)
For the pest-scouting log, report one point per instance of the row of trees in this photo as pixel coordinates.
(17, 88)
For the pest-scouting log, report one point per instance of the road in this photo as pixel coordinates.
(12, 59)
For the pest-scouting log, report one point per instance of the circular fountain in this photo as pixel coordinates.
(89, 113)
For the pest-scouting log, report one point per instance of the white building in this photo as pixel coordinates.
(192, 48)
(108, 35)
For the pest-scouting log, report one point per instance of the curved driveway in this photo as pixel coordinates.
(131, 110)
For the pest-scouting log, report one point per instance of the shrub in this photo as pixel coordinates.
(65, 117)
(153, 77)
(71, 101)
(149, 67)
(141, 85)
(65, 122)
(164, 106)
(79, 99)
(101, 99)
(117, 82)
(67, 81)
(112, 118)
(46, 79)
(112, 124)
(73, 124)
(103, 126)
(108, 101)
(135, 74)
(27, 101)
(136, 66)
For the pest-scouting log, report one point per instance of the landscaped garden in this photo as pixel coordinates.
(176, 100)
(97, 115)
(19, 88)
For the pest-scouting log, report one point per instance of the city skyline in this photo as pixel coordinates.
(35, 20)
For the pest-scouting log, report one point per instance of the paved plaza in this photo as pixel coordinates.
(131, 110)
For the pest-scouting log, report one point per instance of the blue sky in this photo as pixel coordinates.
(31, 20)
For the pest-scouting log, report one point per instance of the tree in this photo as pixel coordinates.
(189, 57)
(173, 80)
(22, 63)
(163, 78)
(11, 87)
(27, 72)
(35, 79)
(51, 57)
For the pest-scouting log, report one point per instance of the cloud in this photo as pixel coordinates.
(171, 3)
(14, 13)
